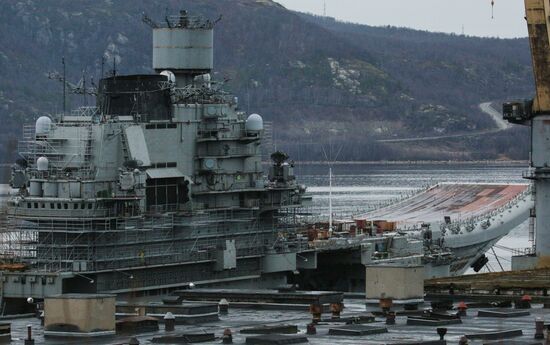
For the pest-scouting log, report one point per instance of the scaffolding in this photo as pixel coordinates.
(69, 146)
(268, 146)
(91, 244)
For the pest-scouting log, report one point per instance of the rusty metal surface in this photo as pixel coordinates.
(536, 12)
(459, 201)
(511, 283)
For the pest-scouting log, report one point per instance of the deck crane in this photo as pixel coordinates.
(536, 114)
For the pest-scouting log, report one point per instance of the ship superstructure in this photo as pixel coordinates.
(158, 186)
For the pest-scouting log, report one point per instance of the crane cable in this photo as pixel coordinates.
(492, 9)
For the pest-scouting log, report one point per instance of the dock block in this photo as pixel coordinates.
(276, 339)
(5, 333)
(137, 324)
(516, 342)
(349, 320)
(186, 314)
(357, 330)
(422, 342)
(187, 338)
(395, 282)
(495, 335)
(502, 313)
(79, 315)
(262, 296)
(424, 321)
(275, 329)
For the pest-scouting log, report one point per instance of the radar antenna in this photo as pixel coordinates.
(147, 20)
(78, 88)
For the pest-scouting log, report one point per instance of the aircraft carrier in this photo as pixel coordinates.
(160, 186)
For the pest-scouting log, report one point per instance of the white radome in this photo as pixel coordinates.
(254, 122)
(170, 75)
(42, 164)
(43, 125)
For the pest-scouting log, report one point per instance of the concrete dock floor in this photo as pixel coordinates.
(238, 319)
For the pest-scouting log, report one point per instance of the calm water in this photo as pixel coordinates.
(358, 187)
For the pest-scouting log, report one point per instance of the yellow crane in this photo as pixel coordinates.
(536, 114)
(537, 13)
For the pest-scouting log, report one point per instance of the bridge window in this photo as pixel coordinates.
(167, 191)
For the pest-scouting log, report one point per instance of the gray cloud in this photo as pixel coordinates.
(432, 15)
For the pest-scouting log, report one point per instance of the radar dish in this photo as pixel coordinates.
(279, 157)
(170, 75)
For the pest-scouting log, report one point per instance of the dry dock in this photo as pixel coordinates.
(400, 333)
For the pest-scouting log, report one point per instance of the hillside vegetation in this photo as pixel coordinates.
(321, 82)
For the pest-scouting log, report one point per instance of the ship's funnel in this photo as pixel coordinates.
(184, 45)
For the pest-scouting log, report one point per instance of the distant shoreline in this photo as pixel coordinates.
(412, 162)
(421, 162)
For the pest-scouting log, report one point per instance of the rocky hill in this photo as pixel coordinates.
(321, 82)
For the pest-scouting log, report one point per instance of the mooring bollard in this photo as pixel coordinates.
(390, 318)
(227, 337)
(463, 341)
(336, 309)
(441, 331)
(316, 311)
(223, 306)
(133, 341)
(539, 328)
(385, 304)
(311, 329)
(169, 322)
(29, 340)
(524, 303)
(462, 307)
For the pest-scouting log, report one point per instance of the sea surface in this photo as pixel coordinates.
(358, 187)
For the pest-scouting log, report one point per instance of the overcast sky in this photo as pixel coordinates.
(432, 15)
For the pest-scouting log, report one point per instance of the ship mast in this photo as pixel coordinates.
(330, 198)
